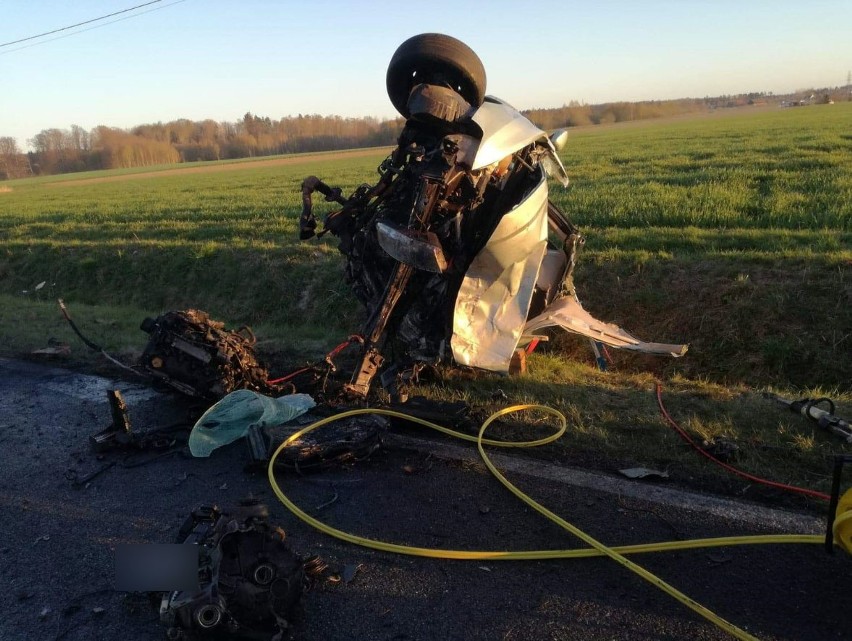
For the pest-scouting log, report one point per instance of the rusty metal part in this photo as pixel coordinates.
(438, 102)
(249, 579)
(307, 222)
(372, 360)
(119, 433)
(198, 356)
(340, 443)
(464, 189)
(429, 192)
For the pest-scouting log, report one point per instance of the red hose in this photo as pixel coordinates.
(730, 468)
(352, 339)
(275, 381)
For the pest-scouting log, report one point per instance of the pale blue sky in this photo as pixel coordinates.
(218, 59)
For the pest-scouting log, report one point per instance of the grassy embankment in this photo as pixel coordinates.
(734, 235)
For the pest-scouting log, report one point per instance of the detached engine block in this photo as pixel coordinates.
(196, 355)
(249, 580)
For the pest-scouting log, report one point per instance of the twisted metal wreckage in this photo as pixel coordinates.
(457, 252)
(457, 248)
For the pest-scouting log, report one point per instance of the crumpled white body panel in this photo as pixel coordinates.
(494, 299)
(568, 313)
(505, 130)
(490, 314)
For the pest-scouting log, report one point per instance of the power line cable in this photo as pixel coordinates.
(97, 26)
(79, 24)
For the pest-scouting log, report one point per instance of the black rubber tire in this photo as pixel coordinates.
(430, 55)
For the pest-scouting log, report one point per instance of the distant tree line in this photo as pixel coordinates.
(67, 150)
(75, 149)
(13, 164)
(576, 114)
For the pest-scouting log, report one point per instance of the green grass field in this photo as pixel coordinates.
(733, 234)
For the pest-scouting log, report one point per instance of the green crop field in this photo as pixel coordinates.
(730, 232)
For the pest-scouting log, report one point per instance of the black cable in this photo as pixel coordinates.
(94, 346)
(813, 402)
(79, 24)
(97, 26)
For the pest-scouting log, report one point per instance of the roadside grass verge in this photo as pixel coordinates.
(613, 417)
(614, 422)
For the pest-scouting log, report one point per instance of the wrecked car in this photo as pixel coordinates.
(457, 251)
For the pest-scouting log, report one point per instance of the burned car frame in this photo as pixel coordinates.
(457, 249)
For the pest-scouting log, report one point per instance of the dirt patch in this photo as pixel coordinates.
(5, 190)
(204, 169)
(715, 114)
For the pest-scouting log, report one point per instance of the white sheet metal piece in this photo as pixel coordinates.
(493, 301)
(494, 298)
(505, 130)
(568, 313)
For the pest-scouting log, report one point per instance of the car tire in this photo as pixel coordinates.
(434, 54)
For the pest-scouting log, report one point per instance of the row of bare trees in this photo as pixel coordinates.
(13, 164)
(75, 149)
(576, 114)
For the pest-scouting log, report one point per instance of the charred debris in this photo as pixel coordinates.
(458, 257)
(456, 252)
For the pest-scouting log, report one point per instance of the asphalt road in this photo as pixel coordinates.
(56, 555)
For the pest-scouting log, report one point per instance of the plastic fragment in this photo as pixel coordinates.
(230, 418)
(349, 571)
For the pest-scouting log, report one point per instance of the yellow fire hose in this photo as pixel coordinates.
(842, 527)
(843, 522)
